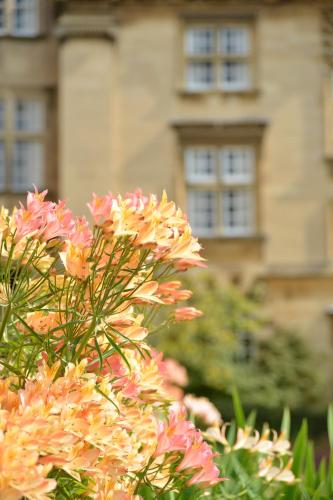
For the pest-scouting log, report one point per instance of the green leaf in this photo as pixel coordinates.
(318, 494)
(330, 425)
(310, 468)
(231, 433)
(330, 475)
(300, 448)
(251, 419)
(299, 454)
(238, 409)
(285, 424)
(322, 471)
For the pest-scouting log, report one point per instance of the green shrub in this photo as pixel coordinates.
(272, 370)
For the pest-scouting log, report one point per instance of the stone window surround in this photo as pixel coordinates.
(215, 20)
(9, 135)
(191, 132)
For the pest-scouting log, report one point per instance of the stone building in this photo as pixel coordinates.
(226, 104)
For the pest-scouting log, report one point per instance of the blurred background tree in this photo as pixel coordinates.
(234, 343)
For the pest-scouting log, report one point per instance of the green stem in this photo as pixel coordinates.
(84, 340)
(5, 320)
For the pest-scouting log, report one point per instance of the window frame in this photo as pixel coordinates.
(219, 186)
(9, 135)
(217, 58)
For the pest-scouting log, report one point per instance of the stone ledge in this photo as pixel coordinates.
(86, 25)
(202, 127)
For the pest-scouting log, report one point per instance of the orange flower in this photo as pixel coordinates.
(171, 294)
(75, 260)
(145, 293)
(42, 322)
(187, 313)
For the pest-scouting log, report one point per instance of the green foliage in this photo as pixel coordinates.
(276, 369)
(241, 468)
(330, 424)
(239, 413)
(226, 313)
(68, 487)
(285, 424)
(287, 372)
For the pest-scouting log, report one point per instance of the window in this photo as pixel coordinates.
(20, 18)
(221, 190)
(218, 57)
(22, 143)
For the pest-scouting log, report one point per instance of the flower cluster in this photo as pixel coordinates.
(86, 404)
(75, 424)
(179, 435)
(273, 449)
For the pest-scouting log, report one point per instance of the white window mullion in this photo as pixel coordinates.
(3, 17)
(235, 75)
(235, 47)
(2, 166)
(199, 41)
(199, 47)
(234, 40)
(200, 165)
(25, 18)
(27, 165)
(201, 206)
(237, 212)
(200, 75)
(2, 115)
(29, 115)
(3, 111)
(27, 162)
(237, 165)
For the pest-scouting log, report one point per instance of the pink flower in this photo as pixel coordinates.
(100, 207)
(136, 199)
(174, 372)
(176, 434)
(81, 234)
(203, 408)
(207, 476)
(196, 455)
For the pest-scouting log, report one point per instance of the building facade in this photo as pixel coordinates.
(226, 104)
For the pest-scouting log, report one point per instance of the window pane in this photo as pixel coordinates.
(29, 115)
(202, 212)
(200, 41)
(237, 165)
(25, 17)
(234, 41)
(2, 167)
(200, 75)
(27, 165)
(235, 75)
(237, 212)
(2, 115)
(2, 17)
(200, 165)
